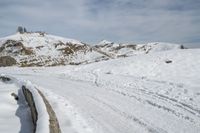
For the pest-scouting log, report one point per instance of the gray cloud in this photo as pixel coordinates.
(92, 20)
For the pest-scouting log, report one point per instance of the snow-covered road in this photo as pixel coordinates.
(100, 98)
(127, 104)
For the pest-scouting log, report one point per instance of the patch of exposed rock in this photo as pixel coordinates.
(7, 61)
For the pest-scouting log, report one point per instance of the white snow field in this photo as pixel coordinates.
(138, 94)
(14, 115)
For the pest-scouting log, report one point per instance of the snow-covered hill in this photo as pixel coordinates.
(41, 49)
(129, 49)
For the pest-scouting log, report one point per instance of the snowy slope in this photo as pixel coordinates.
(42, 49)
(129, 49)
(142, 93)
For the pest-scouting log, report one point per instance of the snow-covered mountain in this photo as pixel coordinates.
(41, 49)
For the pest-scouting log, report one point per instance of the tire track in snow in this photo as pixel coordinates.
(148, 126)
(184, 106)
(141, 89)
(154, 100)
(155, 105)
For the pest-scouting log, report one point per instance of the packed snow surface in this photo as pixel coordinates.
(157, 92)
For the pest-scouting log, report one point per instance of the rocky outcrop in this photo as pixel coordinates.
(16, 48)
(7, 61)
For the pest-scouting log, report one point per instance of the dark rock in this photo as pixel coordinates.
(5, 79)
(7, 61)
(182, 47)
(168, 61)
(15, 96)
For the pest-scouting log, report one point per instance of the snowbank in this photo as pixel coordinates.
(42, 124)
(37, 103)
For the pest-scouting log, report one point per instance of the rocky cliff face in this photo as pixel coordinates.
(41, 49)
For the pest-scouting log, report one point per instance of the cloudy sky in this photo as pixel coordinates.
(91, 21)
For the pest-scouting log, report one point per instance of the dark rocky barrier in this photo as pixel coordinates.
(31, 103)
(53, 122)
